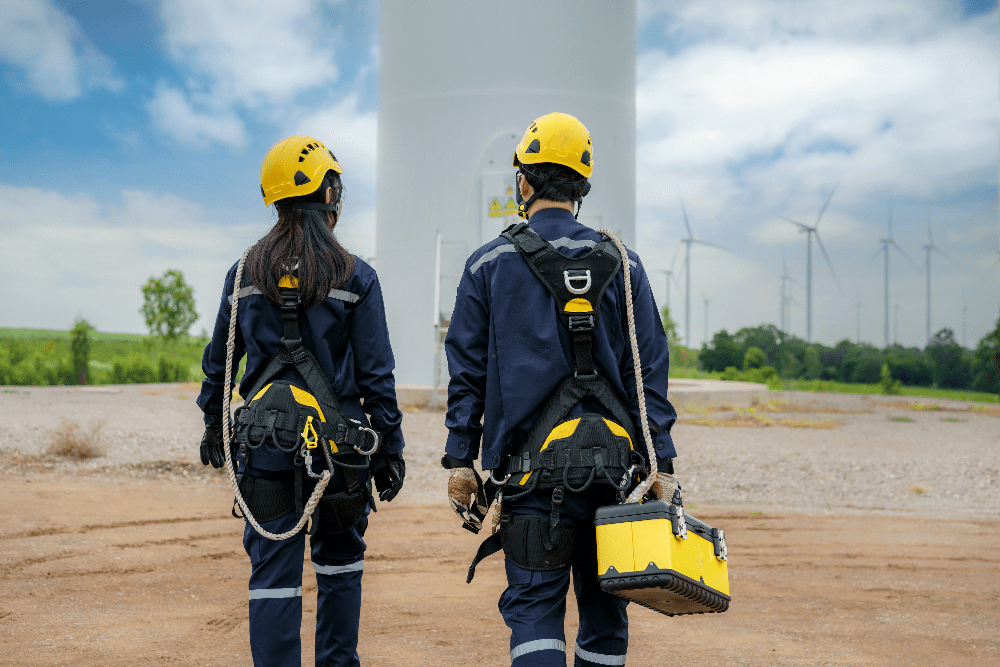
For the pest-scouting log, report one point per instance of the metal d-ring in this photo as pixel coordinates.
(375, 438)
(499, 482)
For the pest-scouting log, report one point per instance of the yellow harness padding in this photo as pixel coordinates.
(578, 306)
(566, 429)
(301, 397)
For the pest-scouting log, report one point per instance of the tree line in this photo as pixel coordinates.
(943, 363)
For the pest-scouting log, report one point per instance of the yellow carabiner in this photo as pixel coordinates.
(309, 435)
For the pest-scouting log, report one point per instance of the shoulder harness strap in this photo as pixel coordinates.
(577, 285)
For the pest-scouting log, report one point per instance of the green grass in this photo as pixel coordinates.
(925, 392)
(37, 351)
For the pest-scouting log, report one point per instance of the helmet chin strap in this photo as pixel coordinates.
(523, 206)
(316, 206)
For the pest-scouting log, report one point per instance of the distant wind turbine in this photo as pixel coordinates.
(930, 247)
(810, 232)
(669, 273)
(708, 300)
(886, 243)
(785, 314)
(687, 268)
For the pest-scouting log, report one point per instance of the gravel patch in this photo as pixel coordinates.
(880, 455)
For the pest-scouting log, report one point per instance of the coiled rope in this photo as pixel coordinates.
(227, 422)
(643, 487)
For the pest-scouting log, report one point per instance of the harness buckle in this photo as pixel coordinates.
(581, 322)
(578, 275)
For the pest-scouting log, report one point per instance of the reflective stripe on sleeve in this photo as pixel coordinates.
(491, 255)
(339, 569)
(265, 593)
(600, 658)
(537, 645)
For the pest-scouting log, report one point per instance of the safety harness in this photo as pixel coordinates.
(299, 421)
(565, 455)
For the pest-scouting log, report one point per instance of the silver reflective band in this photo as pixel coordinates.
(537, 645)
(244, 293)
(339, 569)
(264, 593)
(600, 658)
(338, 294)
(341, 295)
(491, 255)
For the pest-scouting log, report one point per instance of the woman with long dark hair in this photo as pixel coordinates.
(320, 420)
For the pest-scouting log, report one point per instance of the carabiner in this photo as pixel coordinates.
(309, 435)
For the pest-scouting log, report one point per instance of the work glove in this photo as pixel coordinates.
(667, 488)
(467, 497)
(212, 447)
(388, 471)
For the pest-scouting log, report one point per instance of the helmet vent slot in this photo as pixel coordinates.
(534, 147)
(585, 158)
(301, 179)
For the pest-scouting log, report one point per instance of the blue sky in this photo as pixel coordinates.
(133, 133)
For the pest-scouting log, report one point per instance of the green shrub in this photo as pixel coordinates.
(169, 370)
(889, 386)
(133, 371)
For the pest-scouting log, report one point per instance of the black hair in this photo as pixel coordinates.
(564, 184)
(302, 244)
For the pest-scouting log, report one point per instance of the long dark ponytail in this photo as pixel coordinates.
(302, 244)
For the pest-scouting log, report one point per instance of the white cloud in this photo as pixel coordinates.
(57, 58)
(753, 111)
(350, 133)
(239, 57)
(83, 257)
(174, 114)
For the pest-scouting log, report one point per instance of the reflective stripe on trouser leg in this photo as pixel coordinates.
(603, 635)
(338, 561)
(534, 608)
(275, 594)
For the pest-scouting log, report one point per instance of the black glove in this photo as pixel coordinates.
(212, 447)
(388, 471)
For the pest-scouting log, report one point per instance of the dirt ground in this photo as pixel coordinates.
(123, 564)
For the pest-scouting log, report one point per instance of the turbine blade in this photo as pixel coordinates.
(901, 252)
(943, 253)
(684, 211)
(710, 245)
(877, 253)
(804, 228)
(825, 204)
(819, 242)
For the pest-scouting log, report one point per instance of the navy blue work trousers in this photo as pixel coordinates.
(534, 604)
(276, 594)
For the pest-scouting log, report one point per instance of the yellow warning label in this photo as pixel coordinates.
(510, 208)
(510, 190)
(495, 210)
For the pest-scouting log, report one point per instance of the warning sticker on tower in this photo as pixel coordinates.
(495, 210)
(510, 208)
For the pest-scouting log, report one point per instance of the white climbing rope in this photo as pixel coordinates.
(227, 421)
(643, 487)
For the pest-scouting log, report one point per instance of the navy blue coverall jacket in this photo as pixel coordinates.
(347, 334)
(507, 351)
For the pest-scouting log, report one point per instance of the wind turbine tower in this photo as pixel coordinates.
(886, 244)
(810, 232)
(687, 269)
(708, 300)
(930, 247)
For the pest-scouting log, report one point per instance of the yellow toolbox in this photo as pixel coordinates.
(654, 554)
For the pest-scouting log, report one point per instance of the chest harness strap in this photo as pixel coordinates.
(565, 455)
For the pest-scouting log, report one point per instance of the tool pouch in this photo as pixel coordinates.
(267, 499)
(524, 543)
(339, 512)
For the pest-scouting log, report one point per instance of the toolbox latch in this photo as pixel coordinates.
(677, 522)
(719, 541)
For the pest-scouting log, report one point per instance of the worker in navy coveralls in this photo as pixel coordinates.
(507, 353)
(342, 323)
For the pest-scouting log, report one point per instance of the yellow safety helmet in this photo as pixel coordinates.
(560, 139)
(294, 167)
